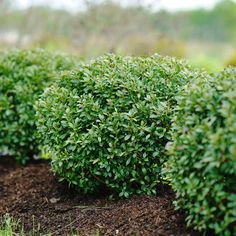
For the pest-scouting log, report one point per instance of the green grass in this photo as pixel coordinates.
(9, 226)
(210, 64)
(209, 55)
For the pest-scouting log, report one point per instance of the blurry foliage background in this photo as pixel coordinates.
(206, 37)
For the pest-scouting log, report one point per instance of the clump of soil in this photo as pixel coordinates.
(33, 195)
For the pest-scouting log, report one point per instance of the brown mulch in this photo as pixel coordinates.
(33, 195)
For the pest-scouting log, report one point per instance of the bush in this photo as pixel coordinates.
(107, 124)
(203, 154)
(23, 76)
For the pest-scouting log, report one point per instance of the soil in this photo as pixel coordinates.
(33, 195)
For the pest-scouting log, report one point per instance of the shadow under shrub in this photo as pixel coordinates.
(202, 160)
(107, 123)
(23, 76)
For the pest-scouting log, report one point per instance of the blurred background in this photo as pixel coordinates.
(203, 31)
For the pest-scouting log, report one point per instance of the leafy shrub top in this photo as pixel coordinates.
(107, 123)
(23, 76)
(203, 153)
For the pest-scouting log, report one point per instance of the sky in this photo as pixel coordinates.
(170, 5)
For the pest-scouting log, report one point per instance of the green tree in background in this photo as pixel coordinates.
(208, 36)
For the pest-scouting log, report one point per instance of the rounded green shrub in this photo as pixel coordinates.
(202, 159)
(106, 125)
(23, 77)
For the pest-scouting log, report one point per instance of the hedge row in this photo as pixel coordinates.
(106, 125)
(202, 161)
(23, 77)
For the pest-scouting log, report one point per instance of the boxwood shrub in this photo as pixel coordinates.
(23, 76)
(106, 125)
(203, 154)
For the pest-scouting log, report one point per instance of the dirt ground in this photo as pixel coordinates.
(33, 195)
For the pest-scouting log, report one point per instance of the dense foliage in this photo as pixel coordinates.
(106, 125)
(23, 76)
(203, 153)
